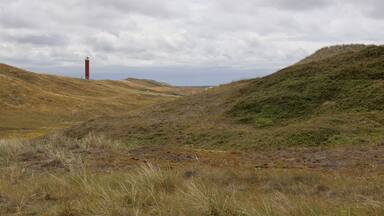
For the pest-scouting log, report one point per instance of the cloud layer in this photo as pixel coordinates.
(181, 34)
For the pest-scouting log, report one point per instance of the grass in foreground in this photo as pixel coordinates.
(56, 176)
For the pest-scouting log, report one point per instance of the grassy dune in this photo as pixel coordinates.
(32, 104)
(58, 176)
(328, 101)
(332, 51)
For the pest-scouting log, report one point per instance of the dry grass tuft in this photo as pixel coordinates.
(53, 177)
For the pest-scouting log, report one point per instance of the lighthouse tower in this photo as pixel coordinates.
(87, 68)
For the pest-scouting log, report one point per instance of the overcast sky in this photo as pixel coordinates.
(185, 42)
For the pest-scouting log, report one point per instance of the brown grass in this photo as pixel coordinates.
(34, 104)
(55, 176)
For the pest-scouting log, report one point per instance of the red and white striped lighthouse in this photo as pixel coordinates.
(87, 68)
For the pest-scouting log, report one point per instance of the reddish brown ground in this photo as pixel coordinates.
(306, 158)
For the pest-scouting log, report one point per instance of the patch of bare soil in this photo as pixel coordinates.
(339, 158)
(309, 158)
(304, 158)
(7, 205)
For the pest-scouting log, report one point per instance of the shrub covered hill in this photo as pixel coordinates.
(335, 99)
(32, 104)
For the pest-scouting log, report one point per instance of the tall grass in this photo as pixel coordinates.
(161, 189)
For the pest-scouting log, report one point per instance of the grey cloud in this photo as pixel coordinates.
(13, 22)
(40, 39)
(247, 6)
(373, 8)
(9, 18)
(150, 8)
(234, 35)
(298, 5)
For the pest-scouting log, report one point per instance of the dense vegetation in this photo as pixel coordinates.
(351, 82)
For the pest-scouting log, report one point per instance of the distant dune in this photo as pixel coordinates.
(32, 104)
